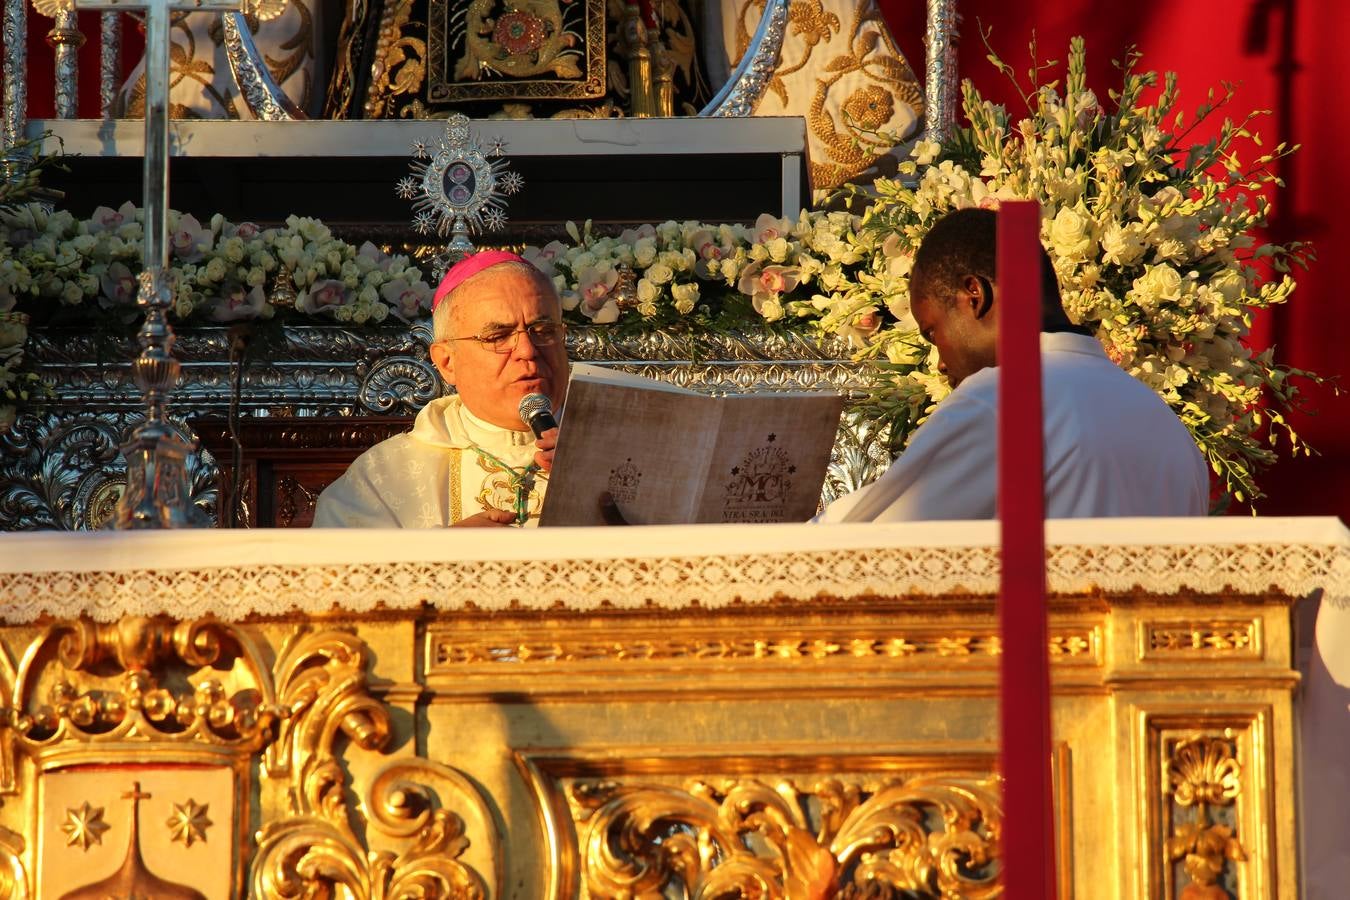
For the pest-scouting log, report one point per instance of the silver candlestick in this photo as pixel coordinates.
(157, 494)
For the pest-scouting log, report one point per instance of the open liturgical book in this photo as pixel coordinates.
(672, 456)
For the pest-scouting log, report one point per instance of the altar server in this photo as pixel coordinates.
(469, 459)
(1112, 446)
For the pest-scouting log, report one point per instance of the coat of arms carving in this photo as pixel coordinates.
(153, 749)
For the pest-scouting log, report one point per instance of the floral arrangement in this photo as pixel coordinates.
(1153, 239)
(1154, 242)
(16, 385)
(52, 263)
(693, 275)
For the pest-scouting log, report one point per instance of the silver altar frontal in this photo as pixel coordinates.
(786, 711)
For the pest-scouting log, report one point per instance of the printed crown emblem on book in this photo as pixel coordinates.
(623, 481)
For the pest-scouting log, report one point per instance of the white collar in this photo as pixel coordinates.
(477, 427)
(1068, 342)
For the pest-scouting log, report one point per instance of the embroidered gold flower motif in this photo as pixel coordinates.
(519, 32)
(809, 21)
(869, 107)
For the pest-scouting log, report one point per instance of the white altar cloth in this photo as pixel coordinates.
(236, 573)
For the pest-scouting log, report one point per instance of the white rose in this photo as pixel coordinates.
(1158, 284)
(647, 293)
(675, 261)
(215, 269)
(644, 253)
(1229, 284)
(1071, 233)
(686, 295)
(659, 273)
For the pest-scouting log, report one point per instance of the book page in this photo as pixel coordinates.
(609, 375)
(770, 458)
(644, 444)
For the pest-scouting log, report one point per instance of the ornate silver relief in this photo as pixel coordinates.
(109, 61)
(748, 81)
(940, 75)
(861, 453)
(15, 32)
(398, 385)
(262, 95)
(66, 39)
(63, 469)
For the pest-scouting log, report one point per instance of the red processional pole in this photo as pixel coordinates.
(1028, 852)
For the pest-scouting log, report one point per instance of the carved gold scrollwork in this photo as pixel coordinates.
(928, 836)
(322, 684)
(1208, 638)
(108, 682)
(315, 851)
(1203, 773)
(13, 878)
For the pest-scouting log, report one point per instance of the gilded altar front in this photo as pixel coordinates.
(714, 711)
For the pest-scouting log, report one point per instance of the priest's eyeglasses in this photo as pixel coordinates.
(503, 340)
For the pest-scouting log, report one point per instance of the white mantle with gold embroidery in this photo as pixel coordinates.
(451, 466)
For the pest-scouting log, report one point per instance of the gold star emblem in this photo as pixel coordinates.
(189, 822)
(84, 826)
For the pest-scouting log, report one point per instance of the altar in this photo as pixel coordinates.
(787, 711)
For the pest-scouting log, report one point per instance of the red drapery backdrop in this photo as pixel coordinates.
(1287, 57)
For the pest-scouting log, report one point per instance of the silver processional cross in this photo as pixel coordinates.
(157, 493)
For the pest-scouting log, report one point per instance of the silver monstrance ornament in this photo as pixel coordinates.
(456, 188)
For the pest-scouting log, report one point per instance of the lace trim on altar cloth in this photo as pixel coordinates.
(675, 581)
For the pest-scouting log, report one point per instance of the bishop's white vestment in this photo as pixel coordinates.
(1112, 448)
(452, 465)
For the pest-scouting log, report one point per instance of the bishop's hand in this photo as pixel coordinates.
(491, 518)
(543, 458)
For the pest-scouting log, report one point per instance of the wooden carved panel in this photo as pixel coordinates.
(287, 462)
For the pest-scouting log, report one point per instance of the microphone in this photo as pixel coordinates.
(536, 411)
